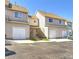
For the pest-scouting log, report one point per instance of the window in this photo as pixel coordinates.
(59, 21)
(50, 20)
(18, 14)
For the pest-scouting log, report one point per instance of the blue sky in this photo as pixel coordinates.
(63, 8)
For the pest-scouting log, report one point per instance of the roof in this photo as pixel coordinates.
(19, 8)
(32, 17)
(46, 14)
(70, 22)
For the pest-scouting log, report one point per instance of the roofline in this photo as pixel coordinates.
(54, 14)
(19, 6)
(17, 10)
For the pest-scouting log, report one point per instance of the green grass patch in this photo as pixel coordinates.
(34, 39)
(45, 39)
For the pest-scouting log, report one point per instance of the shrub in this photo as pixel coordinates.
(34, 39)
(45, 39)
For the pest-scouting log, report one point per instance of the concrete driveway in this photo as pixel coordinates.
(51, 50)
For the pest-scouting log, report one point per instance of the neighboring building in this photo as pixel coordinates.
(52, 26)
(16, 22)
(70, 31)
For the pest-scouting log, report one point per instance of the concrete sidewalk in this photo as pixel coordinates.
(30, 41)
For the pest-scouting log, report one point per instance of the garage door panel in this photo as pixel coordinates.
(64, 33)
(52, 34)
(19, 33)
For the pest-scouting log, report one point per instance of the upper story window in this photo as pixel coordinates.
(60, 21)
(18, 15)
(50, 20)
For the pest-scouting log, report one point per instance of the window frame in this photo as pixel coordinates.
(50, 19)
(60, 21)
(18, 14)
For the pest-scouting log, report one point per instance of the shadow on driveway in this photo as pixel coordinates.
(9, 52)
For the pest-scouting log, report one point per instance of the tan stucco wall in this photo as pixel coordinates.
(9, 28)
(33, 22)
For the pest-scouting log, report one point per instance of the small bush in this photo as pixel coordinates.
(45, 39)
(34, 39)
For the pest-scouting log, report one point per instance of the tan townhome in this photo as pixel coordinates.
(47, 25)
(50, 25)
(16, 22)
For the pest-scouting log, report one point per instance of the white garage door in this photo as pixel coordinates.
(52, 34)
(19, 33)
(64, 33)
